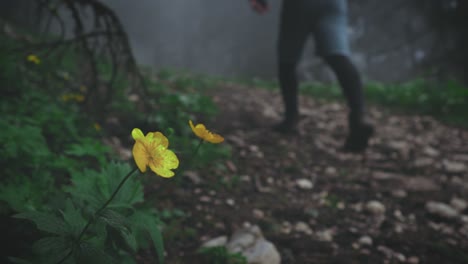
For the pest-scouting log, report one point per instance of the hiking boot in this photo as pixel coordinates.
(358, 137)
(287, 126)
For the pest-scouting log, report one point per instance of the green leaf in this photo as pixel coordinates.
(119, 223)
(46, 222)
(148, 223)
(73, 218)
(52, 249)
(19, 261)
(90, 253)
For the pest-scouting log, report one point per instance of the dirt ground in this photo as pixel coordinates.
(317, 204)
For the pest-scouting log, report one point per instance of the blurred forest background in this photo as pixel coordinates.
(392, 41)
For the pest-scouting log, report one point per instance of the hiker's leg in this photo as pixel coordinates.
(351, 85)
(350, 81)
(293, 34)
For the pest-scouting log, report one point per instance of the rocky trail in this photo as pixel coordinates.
(404, 201)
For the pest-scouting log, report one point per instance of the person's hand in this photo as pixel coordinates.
(260, 6)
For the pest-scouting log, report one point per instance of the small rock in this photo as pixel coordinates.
(423, 162)
(230, 202)
(458, 204)
(399, 193)
(304, 184)
(302, 228)
(432, 152)
(286, 227)
(193, 176)
(454, 167)
(231, 166)
(245, 178)
(375, 207)
(420, 184)
(250, 242)
(400, 257)
(325, 235)
(365, 241)
(382, 175)
(412, 260)
(205, 199)
(464, 219)
(215, 242)
(441, 209)
(331, 171)
(258, 214)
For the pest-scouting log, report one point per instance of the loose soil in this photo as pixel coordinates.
(412, 159)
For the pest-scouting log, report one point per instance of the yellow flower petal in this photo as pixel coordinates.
(151, 151)
(137, 134)
(140, 156)
(200, 131)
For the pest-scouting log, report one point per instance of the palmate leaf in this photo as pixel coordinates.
(73, 218)
(52, 249)
(147, 222)
(19, 261)
(92, 254)
(120, 223)
(46, 222)
(130, 193)
(94, 188)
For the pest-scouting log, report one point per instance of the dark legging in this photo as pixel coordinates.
(347, 75)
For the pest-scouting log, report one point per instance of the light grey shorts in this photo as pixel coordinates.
(326, 20)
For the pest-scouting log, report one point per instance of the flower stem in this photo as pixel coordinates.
(99, 211)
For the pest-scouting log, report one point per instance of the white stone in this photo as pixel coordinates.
(330, 171)
(365, 241)
(250, 242)
(454, 167)
(412, 260)
(458, 204)
(263, 252)
(258, 214)
(325, 235)
(304, 184)
(230, 202)
(375, 207)
(205, 199)
(215, 242)
(441, 209)
(302, 228)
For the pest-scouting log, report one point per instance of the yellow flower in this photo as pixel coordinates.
(203, 133)
(79, 98)
(83, 88)
(151, 150)
(33, 58)
(97, 127)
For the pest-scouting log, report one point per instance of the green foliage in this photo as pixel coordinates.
(121, 229)
(220, 255)
(447, 101)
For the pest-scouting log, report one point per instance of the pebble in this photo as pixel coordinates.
(441, 209)
(365, 241)
(458, 204)
(302, 227)
(454, 167)
(215, 242)
(412, 260)
(375, 207)
(258, 214)
(330, 171)
(304, 184)
(230, 202)
(205, 199)
(325, 235)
